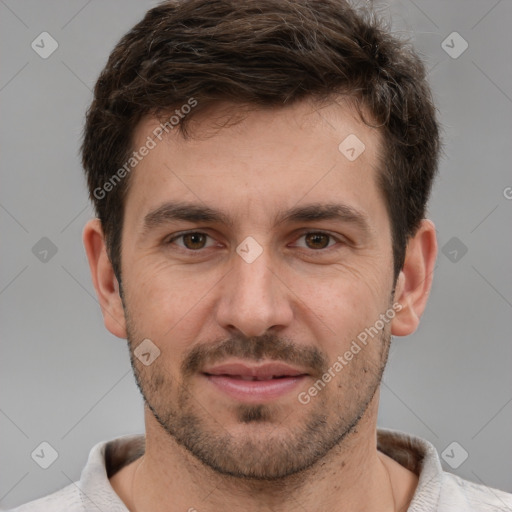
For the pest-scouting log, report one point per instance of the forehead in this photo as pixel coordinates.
(268, 160)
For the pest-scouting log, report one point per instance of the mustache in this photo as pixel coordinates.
(256, 348)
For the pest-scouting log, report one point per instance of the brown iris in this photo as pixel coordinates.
(194, 240)
(317, 240)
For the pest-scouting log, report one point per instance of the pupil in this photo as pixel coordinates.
(194, 240)
(317, 240)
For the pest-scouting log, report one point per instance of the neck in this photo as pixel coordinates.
(353, 474)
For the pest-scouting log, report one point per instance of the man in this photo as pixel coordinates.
(260, 172)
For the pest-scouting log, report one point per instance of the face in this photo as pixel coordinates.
(254, 257)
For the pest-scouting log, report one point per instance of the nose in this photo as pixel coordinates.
(253, 299)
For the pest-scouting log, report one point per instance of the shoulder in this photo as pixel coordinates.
(438, 490)
(93, 492)
(72, 499)
(460, 494)
(66, 499)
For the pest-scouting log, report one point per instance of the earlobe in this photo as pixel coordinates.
(104, 279)
(415, 279)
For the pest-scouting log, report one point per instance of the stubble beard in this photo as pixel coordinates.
(268, 450)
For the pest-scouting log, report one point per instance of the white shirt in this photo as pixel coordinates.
(437, 490)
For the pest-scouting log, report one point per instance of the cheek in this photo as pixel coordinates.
(343, 303)
(162, 287)
(354, 285)
(166, 304)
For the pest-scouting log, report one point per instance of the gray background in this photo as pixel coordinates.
(67, 381)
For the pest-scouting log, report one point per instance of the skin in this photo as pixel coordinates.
(295, 295)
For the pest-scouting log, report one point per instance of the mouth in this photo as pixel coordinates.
(254, 383)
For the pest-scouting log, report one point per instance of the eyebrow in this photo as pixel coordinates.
(322, 211)
(196, 213)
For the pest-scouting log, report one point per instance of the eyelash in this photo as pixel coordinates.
(304, 233)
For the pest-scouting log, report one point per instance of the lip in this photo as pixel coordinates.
(262, 371)
(255, 383)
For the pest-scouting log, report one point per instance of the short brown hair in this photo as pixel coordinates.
(265, 53)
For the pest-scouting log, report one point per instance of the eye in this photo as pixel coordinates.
(317, 240)
(193, 241)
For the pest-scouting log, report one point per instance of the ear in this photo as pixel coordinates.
(415, 279)
(104, 279)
